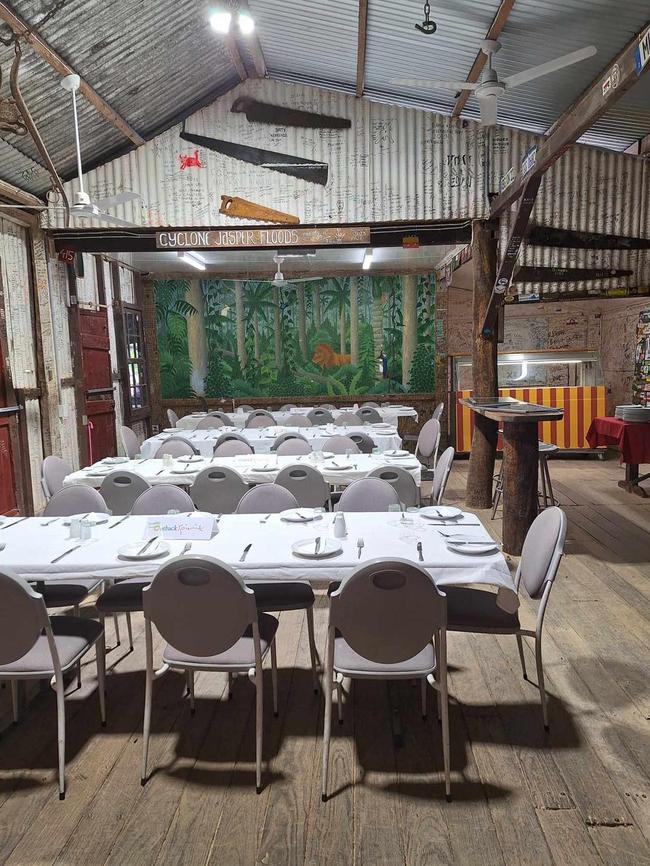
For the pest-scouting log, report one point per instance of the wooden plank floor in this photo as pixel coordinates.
(579, 795)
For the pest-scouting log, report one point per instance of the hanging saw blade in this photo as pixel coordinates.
(279, 115)
(294, 166)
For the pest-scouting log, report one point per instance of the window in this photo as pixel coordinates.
(138, 390)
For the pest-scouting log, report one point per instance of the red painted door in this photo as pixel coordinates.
(98, 384)
(8, 437)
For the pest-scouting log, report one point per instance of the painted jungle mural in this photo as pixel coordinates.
(333, 336)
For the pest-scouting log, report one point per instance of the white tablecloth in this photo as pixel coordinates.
(262, 439)
(30, 547)
(250, 467)
(390, 414)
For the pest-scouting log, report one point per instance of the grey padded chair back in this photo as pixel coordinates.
(246, 408)
(341, 445)
(232, 448)
(437, 412)
(130, 443)
(76, 499)
(542, 551)
(298, 421)
(428, 440)
(348, 419)
(321, 415)
(293, 448)
(370, 403)
(288, 406)
(210, 422)
(53, 471)
(120, 490)
(306, 483)
(287, 437)
(388, 610)
(329, 406)
(199, 605)
(369, 414)
(227, 420)
(402, 481)
(441, 475)
(363, 442)
(172, 417)
(22, 618)
(230, 437)
(218, 489)
(267, 499)
(162, 499)
(368, 494)
(177, 447)
(260, 419)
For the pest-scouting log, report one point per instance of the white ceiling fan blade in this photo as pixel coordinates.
(548, 67)
(435, 83)
(488, 106)
(115, 221)
(116, 200)
(25, 206)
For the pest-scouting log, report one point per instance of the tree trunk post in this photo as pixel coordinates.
(409, 323)
(484, 368)
(354, 320)
(520, 468)
(241, 323)
(196, 337)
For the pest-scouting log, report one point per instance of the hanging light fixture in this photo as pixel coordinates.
(221, 21)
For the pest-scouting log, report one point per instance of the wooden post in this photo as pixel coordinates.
(354, 320)
(520, 467)
(409, 323)
(484, 368)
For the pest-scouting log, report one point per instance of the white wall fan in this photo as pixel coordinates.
(279, 281)
(490, 88)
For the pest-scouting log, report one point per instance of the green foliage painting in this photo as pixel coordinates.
(232, 338)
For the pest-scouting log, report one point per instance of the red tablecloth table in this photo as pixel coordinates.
(631, 439)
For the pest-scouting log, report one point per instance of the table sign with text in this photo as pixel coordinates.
(180, 527)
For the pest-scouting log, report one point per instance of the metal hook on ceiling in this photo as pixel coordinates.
(428, 26)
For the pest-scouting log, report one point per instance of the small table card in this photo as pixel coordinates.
(180, 527)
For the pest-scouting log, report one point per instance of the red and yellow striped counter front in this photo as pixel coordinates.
(581, 405)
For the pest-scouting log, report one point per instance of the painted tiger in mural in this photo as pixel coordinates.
(327, 358)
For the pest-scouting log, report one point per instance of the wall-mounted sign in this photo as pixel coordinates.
(643, 52)
(66, 255)
(197, 239)
(530, 159)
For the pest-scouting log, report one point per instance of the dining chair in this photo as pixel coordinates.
(306, 483)
(34, 646)
(120, 490)
(130, 442)
(246, 408)
(402, 481)
(441, 475)
(387, 621)
(287, 437)
(266, 498)
(320, 416)
(53, 472)
(329, 406)
(426, 449)
(476, 611)
(230, 437)
(369, 414)
(341, 445)
(210, 422)
(75, 499)
(218, 489)
(293, 448)
(177, 446)
(220, 630)
(364, 443)
(437, 412)
(368, 494)
(288, 406)
(348, 419)
(545, 497)
(232, 448)
(172, 417)
(370, 403)
(227, 420)
(298, 421)
(255, 421)
(162, 499)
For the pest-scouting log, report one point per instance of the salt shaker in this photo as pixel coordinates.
(75, 527)
(85, 530)
(168, 461)
(340, 529)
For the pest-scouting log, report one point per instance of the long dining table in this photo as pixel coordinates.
(253, 468)
(262, 439)
(390, 414)
(40, 549)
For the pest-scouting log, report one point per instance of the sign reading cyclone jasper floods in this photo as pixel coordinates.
(263, 237)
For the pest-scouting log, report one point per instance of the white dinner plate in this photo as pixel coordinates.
(338, 467)
(300, 515)
(470, 545)
(131, 551)
(195, 458)
(112, 461)
(396, 452)
(187, 470)
(441, 512)
(171, 429)
(328, 455)
(382, 425)
(95, 519)
(307, 548)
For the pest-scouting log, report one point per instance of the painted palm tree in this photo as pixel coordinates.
(277, 327)
(259, 306)
(316, 311)
(377, 318)
(336, 297)
(241, 323)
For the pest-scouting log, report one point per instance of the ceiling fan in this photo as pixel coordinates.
(491, 87)
(279, 281)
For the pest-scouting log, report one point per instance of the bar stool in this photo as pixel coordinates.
(545, 498)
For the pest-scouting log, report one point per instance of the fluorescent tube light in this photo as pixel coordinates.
(220, 22)
(246, 23)
(367, 260)
(192, 259)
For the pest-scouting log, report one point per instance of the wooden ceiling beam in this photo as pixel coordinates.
(18, 196)
(235, 56)
(494, 31)
(255, 47)
(362, 33)
(50, 56)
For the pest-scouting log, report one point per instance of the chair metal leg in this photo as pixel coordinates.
(259, 728)
(129, 629)
(100, 656)
(423, 697)
(339, 698)
(542, 477)
(116, 623)
(549, 485)
(148, 699)
(60, 722)
(229, 692)
(313, 652)
(190, 683)
(444, 699)
(327, 726)
(274, 676)
(497, 492)
(520, 646)
(436, 644)
(14, 699)
(540, 682)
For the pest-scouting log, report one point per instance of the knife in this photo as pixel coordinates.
(9, 525)
(147, 545)
(244, 554)
(65, 553)
(117, 522)
(420, 551)
(317, 546)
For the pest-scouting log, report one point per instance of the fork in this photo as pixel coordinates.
(360, 546)
(186, 548)
(264, 519)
